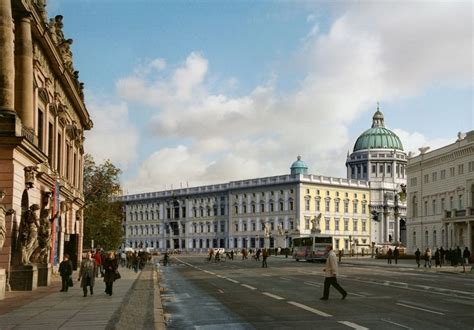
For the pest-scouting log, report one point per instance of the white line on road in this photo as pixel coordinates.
(420, 309)
(353, 325)
(233, 281)
(273, 296)
(309, 309)
(286, 278)
(356, 294)
(220, 276)
(221, 291)
(398, 324)
(313, 284)
(249, 287)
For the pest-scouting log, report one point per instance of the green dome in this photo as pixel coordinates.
(378, 137)
(299, 167)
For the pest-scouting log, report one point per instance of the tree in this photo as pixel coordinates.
(102, 214)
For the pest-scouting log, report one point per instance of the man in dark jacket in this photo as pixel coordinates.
(65, 270)
(88, 273)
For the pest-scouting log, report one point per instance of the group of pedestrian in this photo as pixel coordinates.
(454, 256)
(393, 254)
(89, 269)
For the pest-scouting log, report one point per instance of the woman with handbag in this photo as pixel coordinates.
(65, 270)
(110, 272)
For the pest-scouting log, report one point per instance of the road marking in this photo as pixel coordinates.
(309, 309)
(233, 281)
(273, 296)
(220, 276)
(221, 291)
(286, 278)
(356, 294)
(249, 287)
(313, 284)
(353, 325)
(400, 325)
(420, 309)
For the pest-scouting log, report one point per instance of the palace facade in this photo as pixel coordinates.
(42, 120)
(441, 196)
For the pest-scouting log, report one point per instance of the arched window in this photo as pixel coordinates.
(435, 239)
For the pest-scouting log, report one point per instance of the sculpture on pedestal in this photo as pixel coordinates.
(29, 226)
(41, 253)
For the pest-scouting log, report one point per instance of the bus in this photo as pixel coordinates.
(311, 248)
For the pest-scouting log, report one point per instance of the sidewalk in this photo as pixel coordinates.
(47, 308)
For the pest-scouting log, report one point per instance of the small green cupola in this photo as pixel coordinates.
(299, 167)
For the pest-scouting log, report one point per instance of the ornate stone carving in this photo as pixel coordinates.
(30, 176)
(29, 226)
(3, 213)
(41, 253)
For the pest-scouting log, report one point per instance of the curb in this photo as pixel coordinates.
(158, 315)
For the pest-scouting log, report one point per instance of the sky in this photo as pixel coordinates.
(189, 93)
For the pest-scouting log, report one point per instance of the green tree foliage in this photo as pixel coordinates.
(102, 214)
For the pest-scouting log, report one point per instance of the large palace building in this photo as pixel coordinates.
(441, 196)
(42, 120)
(271, 211)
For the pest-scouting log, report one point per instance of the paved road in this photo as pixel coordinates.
(239, 294)
(50, 309)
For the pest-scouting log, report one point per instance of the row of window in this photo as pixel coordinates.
(337, 223)
(328, 193)
(438, 207)
(433, 177)
(434, 240)
(327, 205)
(253, 208)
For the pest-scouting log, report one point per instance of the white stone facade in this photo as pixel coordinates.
(440, 196)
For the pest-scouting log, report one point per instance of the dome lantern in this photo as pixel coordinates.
(299, 167)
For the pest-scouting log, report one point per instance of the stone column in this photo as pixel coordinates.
(7, 64)
(24, 71)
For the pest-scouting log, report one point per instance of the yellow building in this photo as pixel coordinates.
(254, 213)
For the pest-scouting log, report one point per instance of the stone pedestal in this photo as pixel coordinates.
(3, 280)
(24, 278)
(44, 275)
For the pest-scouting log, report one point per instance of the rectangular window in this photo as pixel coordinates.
(434, 176)
(327, 224)
(354, 209)
(336, 224)
(291, 206)
(346, 224)
(374, 169)
(451, 171)
(364, 208)
(327, 205)
(215, 227)
(426, 178)
(222, 210)
(306, 223)
(433, 206)
(460, 202)
(364, 228)
(254, 226)
(443, 174)
(59, 154)
(354, 224)
(471, 166)
(389, 169)
(51, 144)
(337, 243)
(40, 130)
(460, 169)
(281, 206)
(381, 168)
(245, 226)
(318, 205)
(346, 207)
(222, 226)
(307, 204)
(442, 205)
(413, 182)
(336, 206)
(236, 226)
(426, 208)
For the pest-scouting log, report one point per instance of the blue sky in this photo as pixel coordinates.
(199, 92)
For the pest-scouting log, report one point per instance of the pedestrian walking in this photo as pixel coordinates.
(396, 254)
(428, 257)
(331, 272)
(437, 257)
(264, 258)
(65, 270)
(389, 256)
(417, 257)
(110, 272)
(87, 274)
(98, 261)
(466, 254)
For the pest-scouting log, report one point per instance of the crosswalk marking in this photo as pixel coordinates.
(249, 287)
(309, 309)
(420, 309)
(273, 296)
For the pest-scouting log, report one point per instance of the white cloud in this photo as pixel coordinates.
(112, 137)
(371, 52)
(412, 141)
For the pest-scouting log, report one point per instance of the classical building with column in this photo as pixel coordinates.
(378, 157)
(255, 213)
(441, 196)
(42, 120)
